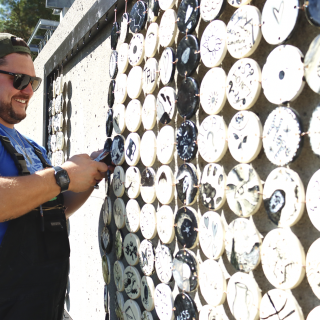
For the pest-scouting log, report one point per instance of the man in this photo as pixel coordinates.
(34, 245)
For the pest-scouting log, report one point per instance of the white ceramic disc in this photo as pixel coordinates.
(132, 310)
(60, 141)
(211, 10)
(119, 118)
(119, 213)
(134, 82)
(120, 90)
(123, 58)
(244, 296)
(166, 104)
(244, 84)
(213, 284)
(213, 91)
(279, 19)
(133, 182)
(164, 185)
(282, 141)
(313, 267)
(119, 305)
(107, 211)
(244, 190)
(165, 224)
(118, 274)
(165, 144)
(209, 312)
(245, 136)
(131, 245)
(150, 75)
(58, 122)
(148, 148)
(132, 215)
(59, 160)
(163, 302)
(146, 315)
(211, 235)
(164, 263)
(314, 314)
(166, 4)
(132, 149)
(243, 31)
(313, 199)
(132, 282)
(213, 45)
(106, 269)
(168, 27)
(58, 104)
(311, 62)
(283, 74)
(212, 138)
(118, 181)
(152, 40)
(117, 150)
(167, 66)
(136, 49)
(146, 257)
(133, 115)
(148, 221)
(147, 294)
(283, 259)
(314, 131)
(238, 3)
(148, 189)
(149, 112)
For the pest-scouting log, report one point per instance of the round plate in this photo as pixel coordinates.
(311, 62)
(60, 140)
(119, 213)
(119, 123)
(312, 12)
(244, 136)
(106, 240)
(146, 257)
(312, 199)
(136, 49)
(132, 182)
(283, 74)
(148, 189)
(107, 211)
(147, 294)
(118, 181)
(213, 45)
(165, 224)
(109, 123)
(123, 58)
(244, 190)
(59, 159)
(314, 131)
(133, 115)
(185, 307)
(132, 309)
(213, 284)
(163, 263)
(119, 305)
(167, 65)
(284, 197)
(188, 15)
(244, 296)
(106, 269)
(120, 90)
(163, 302)
(146, 315)
(188, 98)
(148, 221)
(166, 104)
(148, 148)
(124, 27)
(117, 151)
(186, 222)
(153, 13)
(114, 35)
(186, 270)
(118, 274)
(282, 141)
(150, 75)
(132, 148)
(168, 28)
(312, 267)
(111, 93)
(113, 64)
(149, 112)
(187, 184)
(138, 16)
(132, 215)
(152, 40)
(212, 139)
(164, 185)
(166, 4)
(134, 82)
(187, 140)
(131, 245)
(314, 314)
(211, 10)
(283, 259)
(212, 235)
(188, 55)
(119, 244)
(245, 25)
(132, 284)
(210, 312)
(165, 145)
(279, 20)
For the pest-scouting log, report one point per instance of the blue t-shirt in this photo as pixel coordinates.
(7, 165)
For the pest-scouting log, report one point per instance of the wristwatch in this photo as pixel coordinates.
(62, 178)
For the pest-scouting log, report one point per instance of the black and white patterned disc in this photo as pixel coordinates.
(150, 75)
(111, 93)
(132, 283)
(313, 200)
(282, 141)
(209, 312)
(146, 315)
(119, 118)
(146, 257)
(187, 140)
(118, 245)
(132, 182)
(53, 143)
(152, 39)
(134, 82)
(123, 58)
(109, 123)
(138, 16)
(118, 181)
(312, 12)
(114, 35)
(166, 144)
(132, 215)
(120, 90)
(131, 245)
(136, 49)
(147, 294)
(117, 151)
(164, 185)
(118, 275)
(188, 55)
(133, 115)
(119, 213)
(187, 183)
(106, 269)
(185, 307)
(131, 309)
(153, 11)
(211, 10)
(311, 62)
(113, 64)
(148, 148)
(238, 3)
(119, 305)
(107, 211)
(188, 98)
(167, 67)
(163, 263)
(149, 112)
(165, 224)
(166, 104)
(148, 221)
(132, 149)
(60, 141)
(163, 302)
(106, 240)
(148, 189)
(168, 28)
(188, 15)
(124, 24)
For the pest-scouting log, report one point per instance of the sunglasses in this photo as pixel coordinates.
(21, 81)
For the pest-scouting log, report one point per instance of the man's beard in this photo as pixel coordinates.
(9, 115)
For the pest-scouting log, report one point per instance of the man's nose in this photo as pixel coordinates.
(28, 90)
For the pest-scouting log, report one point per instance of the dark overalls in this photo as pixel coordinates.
(34, 257)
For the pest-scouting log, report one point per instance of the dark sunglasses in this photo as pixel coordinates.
(21, 81)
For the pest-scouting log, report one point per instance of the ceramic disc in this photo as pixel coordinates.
(147, 294)
(186, 270)
(186, 224)
(279, 20)
(312, 12)
(131, 245)
(59, 159)
(133, 115)
(283, 74)
(113, 64)
(314, 314)
(114, 35)
(209, 312)
(146, 315)
(188, 55)
(118, 181)
(153, 13)
(138, 16)
(58, 103)
(211, 10)
(148, 189)
(109, 123)
(134, 82)
(244, 296)
(133, 182)
(119, 213)
(132, 215)
(106, 240)
(311, 62)
(132, 309)
(117, 151)
(163, 302)
(166, 104)
(164, 185)
(313, 267)
(213, 45)
(119, 244)
(165, 224)
(124, 24)
(187, 140)
(282, 141)
(118, 274)
(111, 90)
(167, 65)
(146, 257)
(123, 58)
(283, 259)
(188, 15)
(245, 25)
(58, 122)
(60, 140)
(165, 144)
(132, 148)
(107, 211)
(163, 263)
(313, 200)
(166, 4)
(119, 305)
(132, 284)
(314, 131)
(106, 269)
(284, 197)
(212, 138)
(187, 184)
(136, 49)
(168, 28)
(120, 90)
(149, 112)
(148, 221)
(188, 98)
(150, 75)
(152, 40)
(148, 148)
(119, 120)
(213, 284)
(185, 307)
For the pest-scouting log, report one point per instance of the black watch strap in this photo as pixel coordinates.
(62, 178)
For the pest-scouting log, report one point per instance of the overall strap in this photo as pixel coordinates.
(39, 154)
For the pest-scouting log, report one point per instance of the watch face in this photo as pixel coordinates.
(120, 90)
(167, 65)
(163, 263)
(132, 215)
(148, 189)
(312, 267)
(166, 144)
(131, 245)
(132, 148)
(148, 221)
(111, 93)
(119, 120)
(136, 49)
(106, 240)
(187, 140)
(119, 213)
(109, 123)
(124, 27)
(168, 28)
(147, 294)
(312, 12)
(118, 274)
(313, 200)
(188, 15)
(148, 149)
(132, 182)
(134, 82)
(165, 224)
(138, 16)
(114, 35)
(166, 104)
(118, 181)
(132, 284)
(113, 64)
(133, 115)
(188, 98)
(149, 112)
(164, 185)
(118, 245)
(188, 55)
(146, 257)
(311, 62)
(152, 40)
(107, 211)
(211, 10)
(106, 269)
(163, 302)
(123, 58)
(150, 75)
